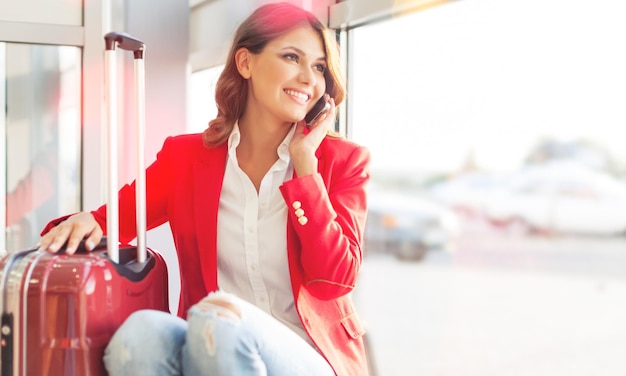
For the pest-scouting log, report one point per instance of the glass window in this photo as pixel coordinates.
(42, 122)
(202, 98)
(60, 12)
(475, 112)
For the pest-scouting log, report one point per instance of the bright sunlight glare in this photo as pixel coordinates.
(487, 79)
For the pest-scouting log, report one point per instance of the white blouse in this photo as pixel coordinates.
(251, 236)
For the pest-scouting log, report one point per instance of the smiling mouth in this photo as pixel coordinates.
(299, 95)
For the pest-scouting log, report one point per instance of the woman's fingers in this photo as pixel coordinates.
(55, 238)
(304, 144)
(72, 231)
(93, 239)
(329, 114)
(78, 232)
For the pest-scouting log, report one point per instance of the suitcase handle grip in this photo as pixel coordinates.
(126, 42)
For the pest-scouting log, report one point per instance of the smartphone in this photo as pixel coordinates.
(320, 108)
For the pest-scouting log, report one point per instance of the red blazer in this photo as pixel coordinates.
(324, 254)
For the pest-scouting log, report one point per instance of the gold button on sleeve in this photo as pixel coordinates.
(296, 204)
(299, 212)
(303, 220)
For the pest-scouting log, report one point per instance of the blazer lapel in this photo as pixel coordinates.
(208, 177)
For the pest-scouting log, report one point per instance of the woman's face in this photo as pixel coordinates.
(287, 77)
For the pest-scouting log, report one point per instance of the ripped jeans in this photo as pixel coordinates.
(223, 335)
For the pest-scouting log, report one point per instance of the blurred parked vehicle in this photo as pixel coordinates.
(557, 197)
(468, 193)
(407, 225)
(561, 198)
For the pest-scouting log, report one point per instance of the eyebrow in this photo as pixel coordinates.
(323, 58)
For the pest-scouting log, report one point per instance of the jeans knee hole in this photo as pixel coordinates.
(222, 308)
(209, 338)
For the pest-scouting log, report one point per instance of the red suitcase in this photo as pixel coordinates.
(60, 311)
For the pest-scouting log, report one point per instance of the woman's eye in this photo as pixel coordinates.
(320, 67)
(292, 57)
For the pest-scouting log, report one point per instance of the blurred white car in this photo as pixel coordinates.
(561, 198)
(407, 225)
(468, 193)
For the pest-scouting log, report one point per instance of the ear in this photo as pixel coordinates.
(243, 62)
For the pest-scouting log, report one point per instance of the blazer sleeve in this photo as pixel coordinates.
(328, 213)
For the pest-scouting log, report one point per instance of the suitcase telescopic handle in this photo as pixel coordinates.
(125, 42)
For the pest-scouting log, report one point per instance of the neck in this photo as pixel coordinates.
(259, 138)
(257, 150)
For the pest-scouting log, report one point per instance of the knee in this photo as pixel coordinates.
(214, 319)
(145, 327)
(219, 304)
(126, 343)
(129, 332)
(164, 334)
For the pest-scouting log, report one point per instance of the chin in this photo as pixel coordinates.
(295, 119)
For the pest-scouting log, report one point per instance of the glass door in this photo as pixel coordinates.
(42, 137)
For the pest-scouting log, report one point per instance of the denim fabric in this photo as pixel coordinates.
(223, 335)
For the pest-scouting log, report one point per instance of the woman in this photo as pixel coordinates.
(267, 216)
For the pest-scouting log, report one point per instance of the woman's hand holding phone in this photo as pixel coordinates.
(319, 115)
(309, 135)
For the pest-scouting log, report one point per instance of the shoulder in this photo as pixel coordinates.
(184, 146)
(181, 149)
(191, 140)
(186, 149)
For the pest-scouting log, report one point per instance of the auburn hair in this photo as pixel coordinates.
(265, 24)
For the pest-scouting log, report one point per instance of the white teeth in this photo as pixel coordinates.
(303, 97)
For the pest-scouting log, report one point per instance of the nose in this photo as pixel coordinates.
(307, 76)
